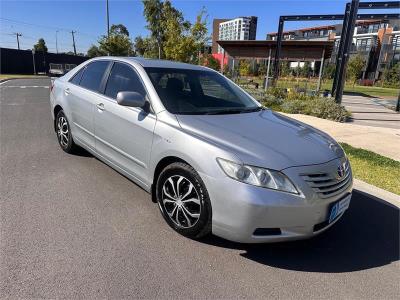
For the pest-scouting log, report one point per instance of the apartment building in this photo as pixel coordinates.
(241, 28)
(377, 41)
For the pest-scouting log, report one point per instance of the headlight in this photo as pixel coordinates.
(257, 176)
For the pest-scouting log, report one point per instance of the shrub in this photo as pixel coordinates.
(300, 103)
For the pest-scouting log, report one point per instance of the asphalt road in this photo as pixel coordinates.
(71, 227)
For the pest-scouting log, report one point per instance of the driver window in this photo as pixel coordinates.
(123, 79)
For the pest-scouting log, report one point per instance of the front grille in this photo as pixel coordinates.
(328, 184)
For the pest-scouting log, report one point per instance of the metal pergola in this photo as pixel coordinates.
(349, 20)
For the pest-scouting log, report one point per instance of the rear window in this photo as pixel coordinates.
(93, 75)
(77, 77)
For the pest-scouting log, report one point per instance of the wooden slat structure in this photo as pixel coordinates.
(292, 50)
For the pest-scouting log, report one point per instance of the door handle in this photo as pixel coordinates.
(100, 106)
(67, 91)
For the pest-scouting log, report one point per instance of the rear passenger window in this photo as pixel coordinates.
(93, 74)
(77, 77)
(123, 79)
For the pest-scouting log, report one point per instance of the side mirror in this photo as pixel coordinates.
(131, 99)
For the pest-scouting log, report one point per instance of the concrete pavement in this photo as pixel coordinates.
(384, 141)
(71, 227)
(371, 112)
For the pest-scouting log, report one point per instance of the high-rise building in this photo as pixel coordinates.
(242, 28)
(215, 34)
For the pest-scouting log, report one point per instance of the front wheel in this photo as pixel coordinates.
(183, 200)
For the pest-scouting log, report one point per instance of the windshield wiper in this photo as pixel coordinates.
(233, 111)
(258, 108)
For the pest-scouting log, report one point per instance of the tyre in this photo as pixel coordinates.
(184, 201)
(64, 134)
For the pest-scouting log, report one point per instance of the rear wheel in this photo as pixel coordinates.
(64, 134)
(183, 200)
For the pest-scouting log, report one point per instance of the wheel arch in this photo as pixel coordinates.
(56, 110)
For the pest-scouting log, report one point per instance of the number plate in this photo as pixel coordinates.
(338, 208)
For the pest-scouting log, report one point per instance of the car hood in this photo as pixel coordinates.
(264, 138)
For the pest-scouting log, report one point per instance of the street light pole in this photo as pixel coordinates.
(18, 35)
(57, 41)
(33, 59)
(108, 20)
(73, 40)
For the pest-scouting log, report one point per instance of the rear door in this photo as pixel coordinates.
(83, 92)
(124, 135)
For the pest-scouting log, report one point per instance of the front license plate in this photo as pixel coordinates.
(338, 208)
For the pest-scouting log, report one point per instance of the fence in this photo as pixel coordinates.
(13, 61)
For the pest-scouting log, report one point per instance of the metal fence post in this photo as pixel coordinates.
(278, 50)
(339, 53)
(341, 78)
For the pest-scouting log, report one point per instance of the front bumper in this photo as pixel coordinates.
(240, 209)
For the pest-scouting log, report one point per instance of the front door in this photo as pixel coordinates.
(124, 135)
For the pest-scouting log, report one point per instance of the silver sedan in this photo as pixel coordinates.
(212, 157)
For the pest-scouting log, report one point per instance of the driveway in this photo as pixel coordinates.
(71, 227)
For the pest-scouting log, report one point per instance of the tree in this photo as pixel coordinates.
(171, 36)
(117, 43)
(94, 51)
(355, 67)
(153, 13)
(119, 29)
(40, 46)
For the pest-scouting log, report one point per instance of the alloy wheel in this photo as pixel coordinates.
(63, 131)
(181, 201)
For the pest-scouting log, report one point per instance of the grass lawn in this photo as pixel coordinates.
(7, 76)
(374, 169)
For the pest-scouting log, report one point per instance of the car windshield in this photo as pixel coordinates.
(185, 91)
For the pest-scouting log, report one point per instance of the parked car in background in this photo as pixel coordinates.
(60, 69)
(212, 157)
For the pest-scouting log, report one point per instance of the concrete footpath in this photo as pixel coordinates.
(384, 141)
(371, 111)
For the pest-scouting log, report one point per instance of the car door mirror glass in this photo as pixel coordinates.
(131, 99)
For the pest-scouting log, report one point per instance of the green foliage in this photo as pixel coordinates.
(171, 36)
(244, 67)
(118, 43)
(355, 67)
(306, 70)
(209, 61)
(391, 76)
(262, 69)
(300, 103)
(119, 29)
(329, 71)
(284, 69)
(40, 46)
(154, 15)
(94, 51)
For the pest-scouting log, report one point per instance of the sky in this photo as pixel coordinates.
(35, 19)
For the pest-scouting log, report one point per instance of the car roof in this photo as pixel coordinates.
(160, 63)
